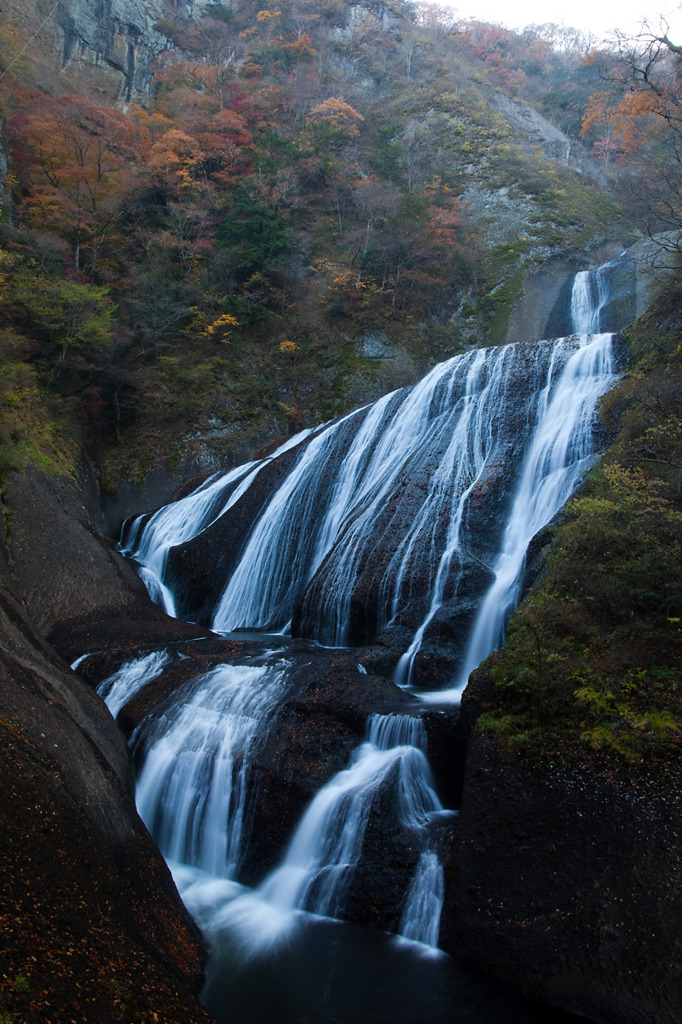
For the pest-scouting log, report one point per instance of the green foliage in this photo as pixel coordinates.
(261, 173)
(496, 305)
(349, 364)
(29, 434)
(613, 722)
(62, 315)
(21, 985)
(254, 235)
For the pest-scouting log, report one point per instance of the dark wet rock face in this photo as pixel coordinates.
(85, 894)
(558, 877)
(197, 570)
(315, 732)
(59, 561)
(370, 579)
(312, 736)
(566, 884)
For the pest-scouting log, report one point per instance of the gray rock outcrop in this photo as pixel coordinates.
(104, 49)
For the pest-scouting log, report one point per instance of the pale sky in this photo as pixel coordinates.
(600, 17)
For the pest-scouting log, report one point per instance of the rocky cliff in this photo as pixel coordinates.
(563, 879)
(96, 605)
(567, 883)
(92, 925)
(104, 49)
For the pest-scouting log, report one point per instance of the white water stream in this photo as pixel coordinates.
(327, 844)
(193, 792)
(149, 539)
(562, 449)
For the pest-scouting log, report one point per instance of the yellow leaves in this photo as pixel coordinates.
(268, 15)
(436, 188)
(150, 125)
(302, 48)
(293, 414)
(219, 328)
(43, 206)
(288, 347)
(175, 150)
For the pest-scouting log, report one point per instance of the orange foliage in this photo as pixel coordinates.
(176, 157)
(623, 126)
(338, 114)
(80, 162)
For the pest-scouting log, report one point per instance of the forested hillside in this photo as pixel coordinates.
(310, 206)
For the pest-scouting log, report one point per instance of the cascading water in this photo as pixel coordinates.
(441, 435)
(149, 539)
(387, 515)
(117, 689)
(327, 844)
(420, 921)
(195, 757)
(193, 787)
(388, 532)
(588, 297)
(561, 450)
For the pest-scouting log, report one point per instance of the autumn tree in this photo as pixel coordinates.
(332, 124)
(640, 121)
(82, 164)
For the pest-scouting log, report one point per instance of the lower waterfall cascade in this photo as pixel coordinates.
(395, 521)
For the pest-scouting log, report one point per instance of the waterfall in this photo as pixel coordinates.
(193, 787)
(561, 450)
(193, 791)
(378, 519)
(444, 426)
(261, 591)
(391, 518)
(421, 917)
(317, 871)
(117, 689)
(589, 295)
(327, 844)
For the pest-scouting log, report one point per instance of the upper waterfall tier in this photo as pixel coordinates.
(606, 298)
(394, 520)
